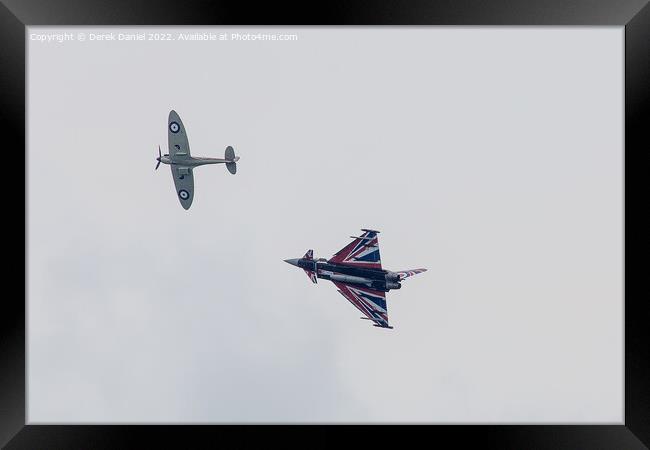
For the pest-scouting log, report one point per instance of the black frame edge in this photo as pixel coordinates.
(637, 112)
(503, 437)
(12, 342)
(335, 12)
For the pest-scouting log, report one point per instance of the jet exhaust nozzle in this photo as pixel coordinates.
(392, 276)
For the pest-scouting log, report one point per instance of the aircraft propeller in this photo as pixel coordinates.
(158, 159)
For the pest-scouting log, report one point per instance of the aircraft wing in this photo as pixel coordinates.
(370, 302)
(362, 252)
(184, 182)
(179, 147)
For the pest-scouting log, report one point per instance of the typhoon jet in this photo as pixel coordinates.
(357, 273)
(183, 163)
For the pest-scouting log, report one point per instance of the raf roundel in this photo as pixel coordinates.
(183, 194)
(174, 127)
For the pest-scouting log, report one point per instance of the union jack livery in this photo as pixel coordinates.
(357, 273)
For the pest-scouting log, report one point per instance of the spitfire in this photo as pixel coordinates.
(357, 273)
(182, 163)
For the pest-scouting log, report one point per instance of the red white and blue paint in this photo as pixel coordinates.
(410, 273)
(357, 273)
(309, 256)
(362, 252)
(370, 302)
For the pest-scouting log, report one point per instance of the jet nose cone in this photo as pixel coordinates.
(293, 262)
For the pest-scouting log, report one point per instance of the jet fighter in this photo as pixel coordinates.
(357, 273)
(182, 163)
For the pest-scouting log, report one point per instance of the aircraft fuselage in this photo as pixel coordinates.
(194, 162)
(379, 279)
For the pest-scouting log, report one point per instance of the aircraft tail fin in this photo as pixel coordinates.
(409, 273)
(230, 156)
(309, 254)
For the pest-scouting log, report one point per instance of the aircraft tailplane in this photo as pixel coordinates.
(230, 156)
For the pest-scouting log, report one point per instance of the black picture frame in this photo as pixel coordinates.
(634, 15)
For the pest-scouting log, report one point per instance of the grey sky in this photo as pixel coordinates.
(491, 156)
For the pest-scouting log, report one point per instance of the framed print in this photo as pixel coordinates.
(488, 153)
